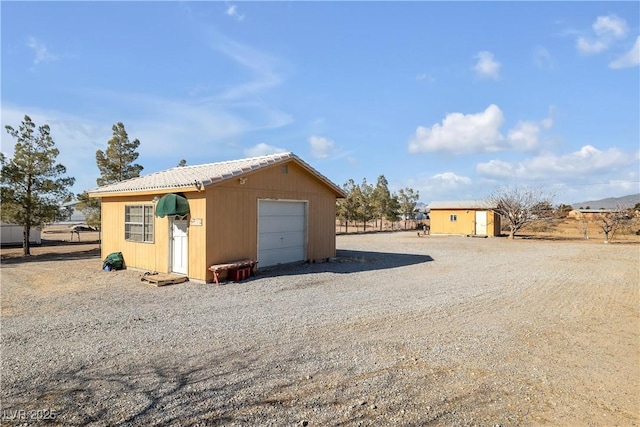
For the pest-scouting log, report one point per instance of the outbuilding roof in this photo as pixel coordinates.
(460, 204)
(200, 176)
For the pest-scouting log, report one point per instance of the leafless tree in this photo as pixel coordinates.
(613, 221)
(583, 225)
(520, 206)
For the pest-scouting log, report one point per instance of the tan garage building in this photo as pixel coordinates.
(467, 217)
(275, 209)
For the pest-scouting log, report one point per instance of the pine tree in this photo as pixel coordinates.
(408, 199)
(116, 163)
(32, 183)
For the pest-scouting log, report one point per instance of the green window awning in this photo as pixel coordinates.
(172, 204)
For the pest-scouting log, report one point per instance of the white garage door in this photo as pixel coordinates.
(282, 230)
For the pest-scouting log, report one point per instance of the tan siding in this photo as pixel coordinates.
(232, 216)
(466, 223)
(197, 236)
(229, 213)
(149, 256)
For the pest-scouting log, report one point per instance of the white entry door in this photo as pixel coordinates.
(178, 245)
(481, 223)
(282, 232)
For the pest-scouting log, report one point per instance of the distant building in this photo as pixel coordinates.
(589, 213)
(465, 217)
(12, 234)
(72, 215)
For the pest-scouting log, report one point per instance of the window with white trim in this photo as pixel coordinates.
(453, 217)
(138, 223)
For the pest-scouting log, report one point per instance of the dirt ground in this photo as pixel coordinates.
(551, 348)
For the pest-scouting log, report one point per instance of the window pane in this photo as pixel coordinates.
(138, 223)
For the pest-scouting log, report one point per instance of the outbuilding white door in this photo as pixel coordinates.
(481, 223)
(282, 232)
(178, 245)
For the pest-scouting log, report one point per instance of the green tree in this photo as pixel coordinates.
(393, 209)
(366, 211)
(381, 198)
(347, 209)
(90, 208)
(32, 183)
(563, 210)
(115, 165)
(407, 199)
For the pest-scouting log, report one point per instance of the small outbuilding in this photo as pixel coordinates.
(275, 209)
(466, 217)
(14, 234)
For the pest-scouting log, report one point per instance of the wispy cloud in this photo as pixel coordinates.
(542, 58)
(233, 12)
(42, 54)
(441, 186)
(425, 77)
(77, 139)
(630, 59)
(586, 162)
(321, 147)
(606, 31)
(487, 67)
(262, 149)
(262, 66)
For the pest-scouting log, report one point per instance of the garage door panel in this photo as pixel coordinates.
(275, 257)
(276, 224)
(280, 240)
(268, 208)
(281, 232)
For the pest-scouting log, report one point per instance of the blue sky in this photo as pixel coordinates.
(450, 98)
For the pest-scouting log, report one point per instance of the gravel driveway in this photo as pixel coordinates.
(399, 330)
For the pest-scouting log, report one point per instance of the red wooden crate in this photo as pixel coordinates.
(238, 274)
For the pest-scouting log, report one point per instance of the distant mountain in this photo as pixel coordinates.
(610, 203)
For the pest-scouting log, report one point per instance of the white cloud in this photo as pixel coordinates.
(607, 30)
(233, 12)
(321, 147)
(77, 139)
(589, 47)
(610, 26)
(542, 58)
(586, 162)
(487, 67)
(477, 133)
(449, 180)
(441, 186)
(630, 59)
(461, 133)
(524, 137)
(42, 54)
(262, 149)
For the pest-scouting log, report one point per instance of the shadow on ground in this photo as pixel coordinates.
(348, 261)
(42, 253)
(212, 389)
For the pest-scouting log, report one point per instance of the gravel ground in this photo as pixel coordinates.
(399, 330)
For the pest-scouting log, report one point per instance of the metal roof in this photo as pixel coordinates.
(460, 204)
(200, 176)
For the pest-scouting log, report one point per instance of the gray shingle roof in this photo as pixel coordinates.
(191, 176)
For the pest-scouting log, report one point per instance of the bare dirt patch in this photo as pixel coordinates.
(402, 330)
